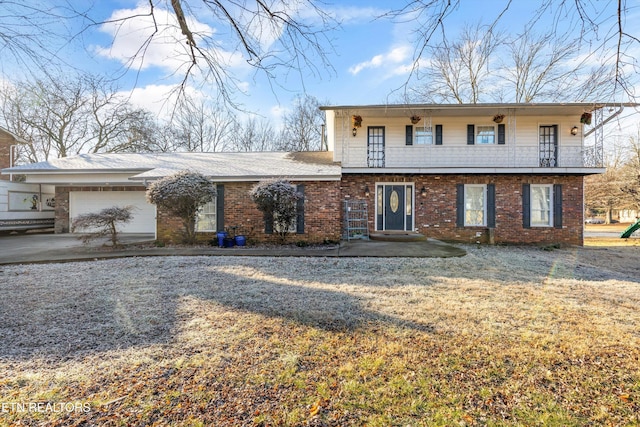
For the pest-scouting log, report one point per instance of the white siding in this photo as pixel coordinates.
(521, 148)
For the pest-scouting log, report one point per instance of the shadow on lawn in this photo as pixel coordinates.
(105, 312)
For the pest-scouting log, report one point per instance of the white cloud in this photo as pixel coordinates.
(158, 99)
(393, 59)
(139, 42)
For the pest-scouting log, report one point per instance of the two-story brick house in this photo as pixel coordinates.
(498, 173)
(509, 173)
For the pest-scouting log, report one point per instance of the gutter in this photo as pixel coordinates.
(600, 125)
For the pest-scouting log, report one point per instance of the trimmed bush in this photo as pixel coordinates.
(183, 194)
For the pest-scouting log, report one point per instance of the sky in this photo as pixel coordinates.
(370, 55)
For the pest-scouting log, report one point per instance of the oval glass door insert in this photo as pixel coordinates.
(393, 201)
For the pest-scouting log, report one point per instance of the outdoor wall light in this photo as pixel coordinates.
(354, 131)
(574, 130)
(423, 192)
(366, 188)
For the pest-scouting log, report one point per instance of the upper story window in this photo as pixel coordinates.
(486, 135)
(423, 135)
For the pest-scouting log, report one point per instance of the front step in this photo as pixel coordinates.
(397, 236)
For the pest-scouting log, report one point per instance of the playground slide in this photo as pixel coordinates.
(629, 231)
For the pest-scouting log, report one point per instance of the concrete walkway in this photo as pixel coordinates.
(43, 248)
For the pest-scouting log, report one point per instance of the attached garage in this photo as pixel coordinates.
(144, 214)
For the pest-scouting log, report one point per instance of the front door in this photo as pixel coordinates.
(394, 207)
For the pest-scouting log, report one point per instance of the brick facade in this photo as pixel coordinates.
(62, 202)
(321, 215)
(6, 141)
(435, 212)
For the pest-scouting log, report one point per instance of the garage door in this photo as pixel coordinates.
(144, 214)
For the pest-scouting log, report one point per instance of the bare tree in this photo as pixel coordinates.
(69, 115)
(32, 33)
(603, 191)
(602, 27)
(544, 68)
(202, 126)
(253, 135)
(302, 126)
(275, 38)
(630, 172)
(458, 71)
(487, 67)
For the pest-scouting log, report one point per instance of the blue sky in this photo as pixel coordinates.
(370, 56)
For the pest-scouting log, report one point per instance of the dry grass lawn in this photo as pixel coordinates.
(503, 336)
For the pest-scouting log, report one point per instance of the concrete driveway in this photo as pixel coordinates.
(39, 247)
(48, 247)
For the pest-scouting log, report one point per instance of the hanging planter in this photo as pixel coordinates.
(498, 118)
(415, 119)
(585, 118)
(356, 121)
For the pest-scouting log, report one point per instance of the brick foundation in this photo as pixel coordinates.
(435, 212)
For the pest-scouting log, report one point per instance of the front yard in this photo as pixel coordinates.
(502, 336)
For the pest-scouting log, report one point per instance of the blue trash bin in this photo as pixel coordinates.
(221, 236)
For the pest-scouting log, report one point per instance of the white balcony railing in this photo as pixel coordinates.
(498, 156)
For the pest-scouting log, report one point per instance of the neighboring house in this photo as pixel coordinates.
(22, 206)
(497, 173)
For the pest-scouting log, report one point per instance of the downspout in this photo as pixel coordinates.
(604, 122)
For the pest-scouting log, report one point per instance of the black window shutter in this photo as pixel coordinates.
(557, 205)
(220, 207)
(300, 210)
(268, 224)
(501, 134)
(438, 134)
(460, 205)
(409, 135)
(471, 134)
(526, 206)
(491, 205)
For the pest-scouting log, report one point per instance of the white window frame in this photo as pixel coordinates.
(206, 211)
(532, 202)
(426, 136)
(483, 188)
(479, 129)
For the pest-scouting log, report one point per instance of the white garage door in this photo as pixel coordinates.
(144, 214)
